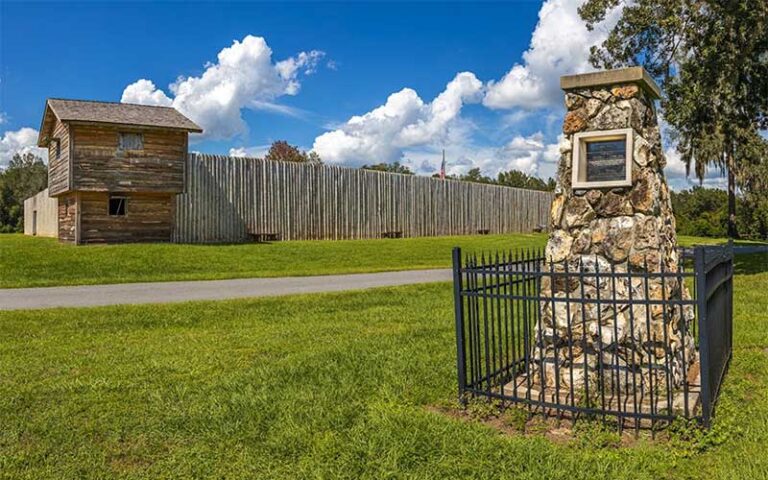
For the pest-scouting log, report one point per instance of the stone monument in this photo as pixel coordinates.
(612, 214)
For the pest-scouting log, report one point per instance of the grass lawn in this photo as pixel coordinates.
(317, 386)
(38, 262)
(33, 262)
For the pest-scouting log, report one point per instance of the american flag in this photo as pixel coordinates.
(442, 167)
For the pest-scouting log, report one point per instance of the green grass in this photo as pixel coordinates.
(317, 386)
(38, 262)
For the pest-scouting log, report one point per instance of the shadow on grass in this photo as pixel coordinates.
(750, 263)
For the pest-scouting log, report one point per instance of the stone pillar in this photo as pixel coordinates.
(612, 217)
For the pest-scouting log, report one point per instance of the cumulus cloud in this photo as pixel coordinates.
(559, 45)
(531, 154)
(409, 130)
(677, 179)
(290, 67)
(258, 151)
(244, 77)
(21, 141)
(404, 121)
(144, 92)
(527, 153)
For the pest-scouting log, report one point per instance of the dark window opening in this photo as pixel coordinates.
(117, 206)
(130, 141)
(58, 148)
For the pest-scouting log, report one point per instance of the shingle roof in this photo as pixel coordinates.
(120, 113)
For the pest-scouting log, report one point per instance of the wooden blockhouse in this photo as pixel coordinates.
(114, 169)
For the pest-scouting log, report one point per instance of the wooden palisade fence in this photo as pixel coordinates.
(226, 198)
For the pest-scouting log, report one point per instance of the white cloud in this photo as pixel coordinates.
(530, 154)
(515, 118)
(559, 46)
(523, 153)
(290, 67)
(258, 151)
(144, 92)
(278, 108)
(678, 180)
(404, 121)
(411, 131)
(243, 77)
(21, 141)
(3, 118)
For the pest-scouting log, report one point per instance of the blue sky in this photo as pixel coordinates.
(359, 83)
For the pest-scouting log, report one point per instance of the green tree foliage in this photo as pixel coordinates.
(701, 212)
(25, 176)
(711, 56)
(511, 178)
(476, 176)
(516, 178)
(753, 206)
(283, 151)
(395, 167)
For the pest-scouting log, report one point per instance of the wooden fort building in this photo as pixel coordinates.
(122, 173)
(114, 168)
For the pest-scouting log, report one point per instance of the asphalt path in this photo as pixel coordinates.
(172, 292)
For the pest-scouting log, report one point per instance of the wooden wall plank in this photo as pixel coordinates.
(59, 172)
(98, 165)
(148, 218)
(227, 197)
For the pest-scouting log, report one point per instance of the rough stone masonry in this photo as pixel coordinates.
(620, 229)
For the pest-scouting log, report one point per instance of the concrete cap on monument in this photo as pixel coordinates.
(609, 124)
(636, 75)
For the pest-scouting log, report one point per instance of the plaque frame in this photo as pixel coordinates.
(579, 165)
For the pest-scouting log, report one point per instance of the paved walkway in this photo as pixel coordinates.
(171, 292)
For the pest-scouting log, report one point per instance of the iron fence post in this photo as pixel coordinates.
(712, 277)
(704, 360)
(459, 314)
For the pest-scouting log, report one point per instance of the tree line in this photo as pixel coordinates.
(25, 176)
(699, 211)
(511, 178)
(711, 58)
(703, 212)
(285, 152)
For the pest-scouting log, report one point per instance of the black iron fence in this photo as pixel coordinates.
(638, 343)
